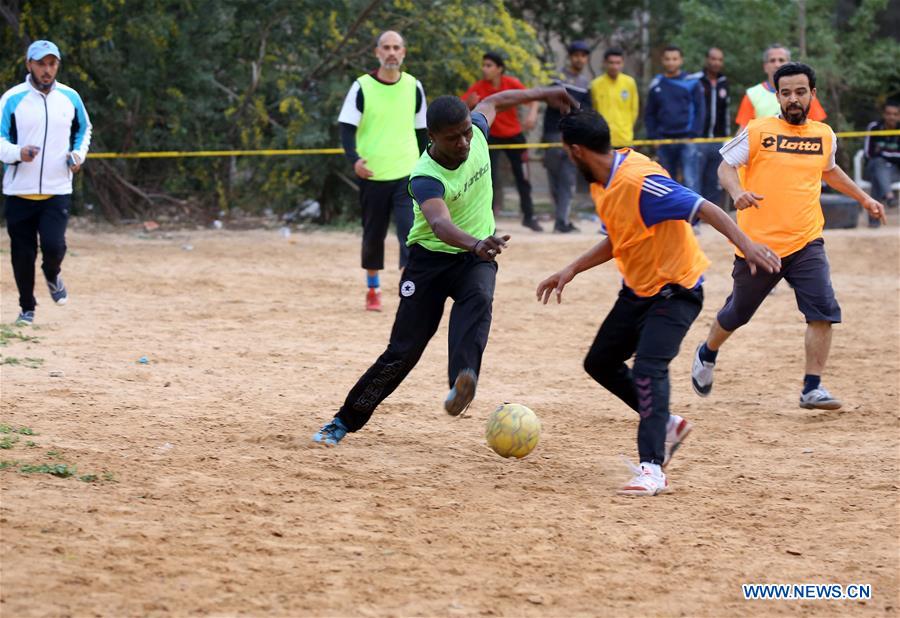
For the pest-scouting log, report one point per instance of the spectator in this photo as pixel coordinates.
(615, 97)
(715, 122)
(506, 130)
(560, 169)
(675, 109)
(760, 100)
(883, 157)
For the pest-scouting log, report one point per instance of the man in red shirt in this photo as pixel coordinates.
(506, 130)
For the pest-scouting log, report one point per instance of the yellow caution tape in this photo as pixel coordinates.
(174, 154)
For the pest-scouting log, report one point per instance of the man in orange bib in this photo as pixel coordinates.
(786, 159)
(647, 218)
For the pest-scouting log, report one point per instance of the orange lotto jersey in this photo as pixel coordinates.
(785, 166)
(648, 257)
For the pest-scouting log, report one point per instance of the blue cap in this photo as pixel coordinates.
(579, 46)
(39, 49)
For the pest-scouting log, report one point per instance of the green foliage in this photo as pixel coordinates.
(158, 75)
(855, 66)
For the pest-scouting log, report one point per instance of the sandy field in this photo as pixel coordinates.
(197, 490)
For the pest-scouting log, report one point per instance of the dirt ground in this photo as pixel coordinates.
(208, 499)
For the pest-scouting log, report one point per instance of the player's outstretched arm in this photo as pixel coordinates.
(554, 96)
(598, 254)
(438, 216)
(838, 179)
(756, 254)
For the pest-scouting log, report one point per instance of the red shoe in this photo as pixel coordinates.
(373, 300)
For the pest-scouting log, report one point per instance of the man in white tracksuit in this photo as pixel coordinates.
(45, 134)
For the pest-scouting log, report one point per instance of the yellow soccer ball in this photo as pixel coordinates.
(513, 430)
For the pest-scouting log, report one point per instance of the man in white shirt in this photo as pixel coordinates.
(45, 134)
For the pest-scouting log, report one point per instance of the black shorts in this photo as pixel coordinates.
(806, 270)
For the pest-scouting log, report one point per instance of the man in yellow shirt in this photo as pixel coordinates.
(615, 96)
(786, 157)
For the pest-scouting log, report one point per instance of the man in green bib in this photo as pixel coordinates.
(452, 253)
(383, 132)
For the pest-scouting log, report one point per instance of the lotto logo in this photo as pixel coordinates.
(791, 144)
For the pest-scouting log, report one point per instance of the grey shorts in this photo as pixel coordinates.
(805, 270)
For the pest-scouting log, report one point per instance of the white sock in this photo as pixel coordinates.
(673, 421)
(655, 469)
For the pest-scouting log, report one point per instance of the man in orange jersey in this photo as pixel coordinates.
(647, 218)
(786, 159)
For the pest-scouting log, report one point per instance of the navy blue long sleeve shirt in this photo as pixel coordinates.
(675, 107)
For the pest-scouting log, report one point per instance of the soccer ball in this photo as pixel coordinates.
(513, 430)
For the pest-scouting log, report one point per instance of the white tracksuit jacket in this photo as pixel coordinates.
(56, 122)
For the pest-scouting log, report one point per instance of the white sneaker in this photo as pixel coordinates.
(701, 374)
(819, 399)
(649, 480)
(677, 429)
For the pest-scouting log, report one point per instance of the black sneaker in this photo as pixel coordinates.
(531, 224)
(565, 228)
(462, 393)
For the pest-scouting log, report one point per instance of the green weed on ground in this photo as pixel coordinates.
(9, 332)
(10, 438)
(31, 363)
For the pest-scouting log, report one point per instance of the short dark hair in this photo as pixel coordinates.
(891, 103)
(795, 68)
(494, 57)
(613, 51)
(669, 48)
(585, 128)
(445, 111)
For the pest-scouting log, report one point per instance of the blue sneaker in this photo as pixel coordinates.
(462, 393)
(58, 291)
(26, 318)
(332, 433)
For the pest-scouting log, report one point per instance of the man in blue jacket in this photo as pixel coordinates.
(675, 109)
(45, 134)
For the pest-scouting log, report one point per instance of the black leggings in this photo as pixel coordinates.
(651, 329)
(26, 220)
(517, 159)
(429, 279)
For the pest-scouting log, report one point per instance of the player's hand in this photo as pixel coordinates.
(875, 208)
(361, 170)
(28, 153)
(529, 124)
(74, 162)
(554, 283)
(748, 199)
(489, 248)
(759, 256)
(559, 97)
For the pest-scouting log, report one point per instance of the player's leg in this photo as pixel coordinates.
(664, 326)
(615, 343)
(375, 204)
(470, 323)
(809, 274)
(417, 319)
(747, 294)
(517, 160)
(52, 230)
(553, 163)
(22, 218)
(403, 216)
(567, 173)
